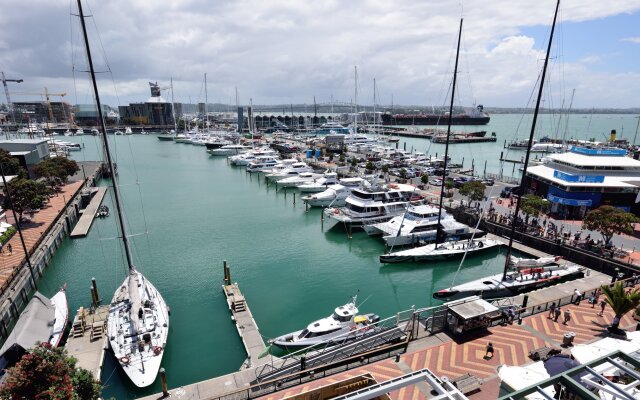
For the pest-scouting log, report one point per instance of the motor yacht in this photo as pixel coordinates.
(300, 179)
(343, 325)
(262, 163)
(417, 224)
(228, 150)
(328, 179)
(366, 206)
(292, 170)
(335, 195)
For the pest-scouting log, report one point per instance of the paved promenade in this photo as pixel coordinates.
(512, 345)
(32, 232)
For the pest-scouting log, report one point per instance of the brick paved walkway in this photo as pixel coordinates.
(32, 231)
(512, 344)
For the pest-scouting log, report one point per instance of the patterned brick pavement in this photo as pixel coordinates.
(512, 344)
(32, 231)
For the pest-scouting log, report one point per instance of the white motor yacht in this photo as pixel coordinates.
(79, 132)
(262, 163)
(182, 138)
(329, 178)
(127, 131)
(417, 224)
(301, 178)
(433, 251)
(247, 157)
(229, 150)
(335, 195)
(277, 174)
(343, 325)
(366, 206)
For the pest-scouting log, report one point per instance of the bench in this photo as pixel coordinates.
(467, 383)
(543, 353)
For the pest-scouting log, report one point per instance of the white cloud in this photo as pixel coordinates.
(632, 39)
(287, 51)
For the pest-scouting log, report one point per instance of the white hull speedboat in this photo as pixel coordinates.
(320, 185)
(229, 150)
(138, 326)
(445, 250)
(517, 262)
(518, 282)
(301, 179)
(59, 301)
(342, 325)
(280, 171)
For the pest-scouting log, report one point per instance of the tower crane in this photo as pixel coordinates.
(6, 93)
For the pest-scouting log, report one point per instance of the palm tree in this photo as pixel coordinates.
(621, 302)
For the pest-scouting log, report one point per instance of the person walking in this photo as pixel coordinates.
(552, 309)
(567, 316)
(9, 248)
(577, 297)
(489, 351)
(603, 304)
(557, 314)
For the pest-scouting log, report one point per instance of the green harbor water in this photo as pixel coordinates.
(187, 212)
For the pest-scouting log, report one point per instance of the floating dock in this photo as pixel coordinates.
(88, 214)
(88, 340)
(246, 326)
(463, 139)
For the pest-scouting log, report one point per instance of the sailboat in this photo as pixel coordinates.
(138, 322)
(440, 250)
(515, 280)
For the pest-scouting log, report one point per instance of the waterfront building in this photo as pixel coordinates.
(585, 178)
(87, 115)
(155, 111)
(38, 112)
(28, 151)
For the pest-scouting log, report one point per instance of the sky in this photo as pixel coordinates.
(288, 51)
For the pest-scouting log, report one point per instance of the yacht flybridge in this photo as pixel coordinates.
(335, 195)
(342, 325)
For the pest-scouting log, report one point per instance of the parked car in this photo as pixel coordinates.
(510, 190)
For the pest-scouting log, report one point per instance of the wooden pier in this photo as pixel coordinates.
(88, 214)
(88, 339)
(246, 326)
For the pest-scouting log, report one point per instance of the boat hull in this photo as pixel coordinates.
(425, 253)
(165, 138)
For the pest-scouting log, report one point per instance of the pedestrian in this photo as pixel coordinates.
(557, 314)
(603, 304)
(9, 248)
(552, 309)
(577, 297)
(567, 316)
(489, 351)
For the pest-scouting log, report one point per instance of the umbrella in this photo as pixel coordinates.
(558, 364)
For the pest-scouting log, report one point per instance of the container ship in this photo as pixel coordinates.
(475, 117)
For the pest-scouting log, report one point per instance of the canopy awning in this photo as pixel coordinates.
(569, 202)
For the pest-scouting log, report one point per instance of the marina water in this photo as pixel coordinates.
(187, 212)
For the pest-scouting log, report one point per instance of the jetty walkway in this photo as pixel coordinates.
(89, 214)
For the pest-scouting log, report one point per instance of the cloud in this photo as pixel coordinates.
(632, 39)
(287, 51)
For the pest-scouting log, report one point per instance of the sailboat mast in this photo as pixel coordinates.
(173, 110)
(446, 146)
(533, 129)
(206, 100)
(355, 74)
(116, 193)
(374, 106)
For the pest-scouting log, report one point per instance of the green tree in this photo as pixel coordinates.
(354, 162)
(47, 373)
(448, 184)
(474, 190)
(56, 168)
(26, 195)
(424, 178)
(342, 158)
(10, 165)
(385, 168)
(620, 301)
(533, 205)
(403, 173)
(609, 220)
(369, 166)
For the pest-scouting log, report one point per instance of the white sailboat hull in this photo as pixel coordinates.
(442, 251)
(138, 343)
(59, 301)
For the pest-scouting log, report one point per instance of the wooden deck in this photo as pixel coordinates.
(88, 339)
(88, 214)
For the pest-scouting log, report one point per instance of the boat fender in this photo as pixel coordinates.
(336, 211)
(124, 360)
(480, 245)
(157, 350)
(353, 327)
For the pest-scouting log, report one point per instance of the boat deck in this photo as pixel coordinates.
(88, 339)
(86, 220)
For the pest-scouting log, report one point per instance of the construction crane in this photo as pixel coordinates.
(6, 93)
(46, 95)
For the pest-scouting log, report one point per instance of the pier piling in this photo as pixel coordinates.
(95, 290)
(294, 199)
(227, 273)
(94, 300)
(163, 378)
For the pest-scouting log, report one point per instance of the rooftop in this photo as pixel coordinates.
(595, 161)
(546, 172)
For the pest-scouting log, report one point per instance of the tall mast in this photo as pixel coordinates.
(116, 193)
(533, 129)
(173, 110)
(446, 146)
(206, 100)
(374, 104)
(355, 74)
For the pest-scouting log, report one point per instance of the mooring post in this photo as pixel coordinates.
(225, 270)
(95, 290)
(163, 378)
(294, 199)
(94, 300)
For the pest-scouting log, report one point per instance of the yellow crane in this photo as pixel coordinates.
(46, 95)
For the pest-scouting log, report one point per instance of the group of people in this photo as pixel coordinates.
(8, 247)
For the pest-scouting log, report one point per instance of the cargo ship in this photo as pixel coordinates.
(475, 117)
